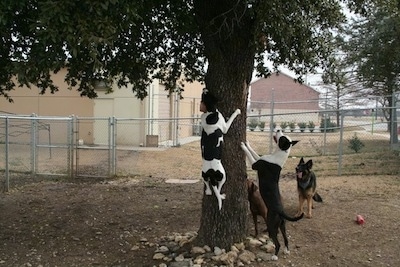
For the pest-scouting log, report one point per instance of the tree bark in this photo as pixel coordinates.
(229, 48)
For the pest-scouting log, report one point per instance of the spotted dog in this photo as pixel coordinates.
(212, 137)
(268, 169)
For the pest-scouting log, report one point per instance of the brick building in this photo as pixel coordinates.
(287, 96)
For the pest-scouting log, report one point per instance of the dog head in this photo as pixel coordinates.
(283, 141)
(281, 154)
(303, 170)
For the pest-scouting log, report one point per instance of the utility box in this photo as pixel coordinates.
(151, 140)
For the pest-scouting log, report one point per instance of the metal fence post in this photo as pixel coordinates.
(393, 122)
(271, 132)
(33, 144)
(70, 151)
(7, 182)
(341, 143)
(113, 145)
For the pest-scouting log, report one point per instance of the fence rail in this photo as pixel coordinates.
(32, 146)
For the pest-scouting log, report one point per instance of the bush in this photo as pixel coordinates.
(261, 125)
(355, 143)
(302, 126)
(311, 126)
(283, 125)
(327, 125)
(292, 126)
(252, 124)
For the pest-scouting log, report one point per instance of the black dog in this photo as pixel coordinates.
(269, 168)
(306, 186)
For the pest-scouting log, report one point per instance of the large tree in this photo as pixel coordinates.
(133, 41)
(373, 51)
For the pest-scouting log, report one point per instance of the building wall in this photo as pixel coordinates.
(65, 102)
(282, 89)
(281, 94)
(189, 106)
(121, 104)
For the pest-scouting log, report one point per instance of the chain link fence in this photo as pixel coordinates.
(33, 147)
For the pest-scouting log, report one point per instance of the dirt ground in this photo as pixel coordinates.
(119, 222)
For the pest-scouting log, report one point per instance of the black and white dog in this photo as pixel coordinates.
(268, 168)
(214, 127)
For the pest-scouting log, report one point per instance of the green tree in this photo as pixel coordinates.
(135, 41)
(374, 51)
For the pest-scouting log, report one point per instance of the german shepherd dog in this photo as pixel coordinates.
(268, 169)
(306, 186)
(257, 205)
(212, 139)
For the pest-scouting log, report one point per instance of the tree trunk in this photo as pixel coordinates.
(228, 43)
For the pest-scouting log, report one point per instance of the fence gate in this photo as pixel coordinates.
(93, 147)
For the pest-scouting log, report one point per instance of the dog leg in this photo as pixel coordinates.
(208, 189)
(273, 228)
(253, 153)
(222, 182)
(285, 239)
(301, 204)
(228, 124)
(274, 237)
(255, 224)
(248, 153)
(309, 206)
(218, 196)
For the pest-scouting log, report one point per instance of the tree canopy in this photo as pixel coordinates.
(373, 47)
(133, 41)
(129, 41)
(367, 62)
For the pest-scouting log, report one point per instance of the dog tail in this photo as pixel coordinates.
(292, 219)
(317, 197)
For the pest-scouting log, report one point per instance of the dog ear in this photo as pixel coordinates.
(301, 160)
(294, 142)
(309, 164)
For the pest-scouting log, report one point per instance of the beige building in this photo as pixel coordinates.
(155, 116)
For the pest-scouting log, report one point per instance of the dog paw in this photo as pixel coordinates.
(242, 145)
(208, 192)
(238, 111)
(286, 251)
(274, 258)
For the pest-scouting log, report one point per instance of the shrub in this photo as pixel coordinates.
(292, 126)
(283, 125)
(327, 125)
(252, 124)
(355, 143)
(261, 125)
(302, 126)
(311, 126)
